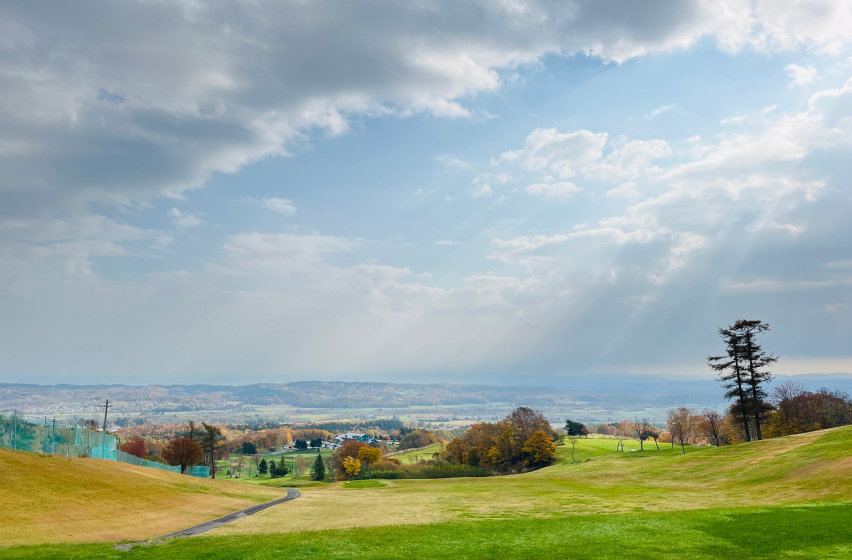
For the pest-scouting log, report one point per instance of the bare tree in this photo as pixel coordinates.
(654, 433)
(642, 430)
(573, 439)
(711, 425)
(680, 423)
(785, 397)
(623, 431)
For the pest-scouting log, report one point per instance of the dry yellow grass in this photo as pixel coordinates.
(807, 467)
(55, 499)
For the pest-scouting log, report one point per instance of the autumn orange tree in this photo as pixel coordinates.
(135, 446)
(182, 451)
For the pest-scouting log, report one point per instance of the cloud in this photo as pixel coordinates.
(482, 190)
(553, 190)
(184, 219)
(802, 75)
(449, 160)
(546, 149)
(280, 205)
(629, 161)
(735, 120)
(107, 108)
(193, 89)
(659, 111)
(626, 190)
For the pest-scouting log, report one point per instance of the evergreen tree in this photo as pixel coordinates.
(732, 374)
(574, 428)
(262, 467)
(756, 361)
(318, 470)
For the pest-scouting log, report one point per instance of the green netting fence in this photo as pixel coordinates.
(70, 440)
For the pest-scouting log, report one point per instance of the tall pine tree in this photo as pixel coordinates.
(732, 374)
(756, 361)
(318, 469)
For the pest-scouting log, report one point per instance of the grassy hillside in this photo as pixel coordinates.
(803, 468)
(56, 499)
(777, 498)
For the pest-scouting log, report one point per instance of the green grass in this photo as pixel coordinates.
(356, 484)
(289, 481)
(425, 453)
(778, 498)
(815, 531)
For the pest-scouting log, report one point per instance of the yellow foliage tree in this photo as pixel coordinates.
(351, 467)
(369, 455)
(540, 449)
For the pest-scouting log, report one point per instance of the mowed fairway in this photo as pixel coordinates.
(54, 499)
(802, 468)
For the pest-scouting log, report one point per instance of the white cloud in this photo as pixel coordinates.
(184, 219)
(729, 120)
(625, 190)
(659, 111)
(450, 160)
(802, 75)
(629, 161)
(546, 149)
(553, 190)
(481, 189)
(280, 205)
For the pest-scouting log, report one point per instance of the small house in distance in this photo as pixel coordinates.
(352, 436)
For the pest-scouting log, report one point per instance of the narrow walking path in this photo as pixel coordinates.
(210, 525)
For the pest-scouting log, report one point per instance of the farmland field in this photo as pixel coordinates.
(776, 498)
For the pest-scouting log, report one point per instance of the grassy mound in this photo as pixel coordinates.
(56, 499)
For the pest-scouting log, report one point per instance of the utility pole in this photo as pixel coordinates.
(15, 433)
(103, 438)
(44, 439)
(53, 440)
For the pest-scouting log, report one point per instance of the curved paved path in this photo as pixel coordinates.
(210, 525)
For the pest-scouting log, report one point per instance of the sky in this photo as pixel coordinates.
(504, 192)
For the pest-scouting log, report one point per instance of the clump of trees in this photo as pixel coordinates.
(798, 410)
(414, 439)
(743, 371)
(522, 440)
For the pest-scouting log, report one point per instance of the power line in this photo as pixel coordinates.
(106, 407)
